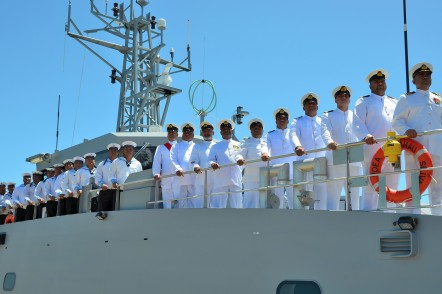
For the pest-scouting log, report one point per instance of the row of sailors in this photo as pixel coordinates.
(63, 185)
(374, 115)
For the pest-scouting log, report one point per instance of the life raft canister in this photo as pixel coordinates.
(425, 161)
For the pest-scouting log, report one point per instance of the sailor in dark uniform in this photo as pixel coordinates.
(417, 112)
(103, 178)
(376, 112)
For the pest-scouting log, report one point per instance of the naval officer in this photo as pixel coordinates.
(305, 134)
(376, 112)
(339, 127)
(200, 159)
(103, 178)
(250, 149)
(417, 112)
(277, 142)
(162, 165)
(227, 180)
(184, 184)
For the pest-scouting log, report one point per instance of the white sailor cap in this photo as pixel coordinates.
(113, 145)
(172, 127)
(37, 172)
(91, 155)
(188, 125)
(255, 121)
(309, 97)
(3, 184)
(377, 74)
(58, 165)
(26, 174)
(69, 160)
(226, 123)
(10, 183)
(341, 89)
(78, 158)
(421, 66)
(129, 143)
(205, 124)
(281, 111)
(49, 169)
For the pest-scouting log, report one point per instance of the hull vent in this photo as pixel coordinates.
(399, 244)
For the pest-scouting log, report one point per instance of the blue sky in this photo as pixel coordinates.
(259, 54)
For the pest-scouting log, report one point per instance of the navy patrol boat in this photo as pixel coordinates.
(142, 248)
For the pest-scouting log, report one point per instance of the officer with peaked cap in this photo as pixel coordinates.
(277, 142)
(417, 112)
(103, 178)
(376, 112)
(305, 134)
(125, 165)
(162, 165)
(228, 180)
(199, 159)
(339, 127)
(18, 198)
(184, 184)
(250, 149)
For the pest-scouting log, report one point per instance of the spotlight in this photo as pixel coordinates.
(101, 215)
(406, 223)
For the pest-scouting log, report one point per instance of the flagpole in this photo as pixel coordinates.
(406, 45)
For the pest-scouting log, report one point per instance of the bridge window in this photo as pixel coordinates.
(298, 287)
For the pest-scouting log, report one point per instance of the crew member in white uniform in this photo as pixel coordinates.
(376, 112)
(184, 184)
(85, 173)
(72, 185)
(34, 194)
(9, 203)
(277, 142)
(417, 112)
(18, 198)
(162, 165)
(103, 178)
(200, 160)
(250, 149)
(3, 206)
(305, 134)
(227, 180)
(123, 166)
(339, 127)
(51, 190)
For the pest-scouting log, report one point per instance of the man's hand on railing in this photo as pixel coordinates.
(299, 150)
(180, 173)
(411, 133)
(214, 165)
(332, 145)
(104, 187)
(197, 170)
(265, 157)
(370, 140)
(240, 162)
(157, 177)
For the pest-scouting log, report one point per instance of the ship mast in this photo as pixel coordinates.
(142, 89)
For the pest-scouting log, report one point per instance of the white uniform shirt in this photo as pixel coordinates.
(50, 187)
(277, 142)
(250, 149)
(122, 168)
(306, 131)
(224, 152)
(376, 112)
(8, 200)
(104, 173)
(162, 164)
(421, 111)
(180, 157)
(59, 185)
(342, 128)
(40, 191)
(30, 191)
(18, 195)
(69, 182)
(82, 177)
(200, 158)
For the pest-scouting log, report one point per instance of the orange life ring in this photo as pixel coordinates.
(425, 161)
(9, 219)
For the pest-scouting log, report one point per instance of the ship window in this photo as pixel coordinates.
(9, 282)
(298, 287)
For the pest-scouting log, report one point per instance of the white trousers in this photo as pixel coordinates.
(167, 194)
(220, 201)
(334, 188)
(181, 193)
(319, 190)
(251, 198)
(288, 191)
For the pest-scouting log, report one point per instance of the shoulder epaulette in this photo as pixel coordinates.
(365, 96)
(440, 95)
(299, 117)
(409, 93)
(391, 97)
(328, 111)
(271, 131)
